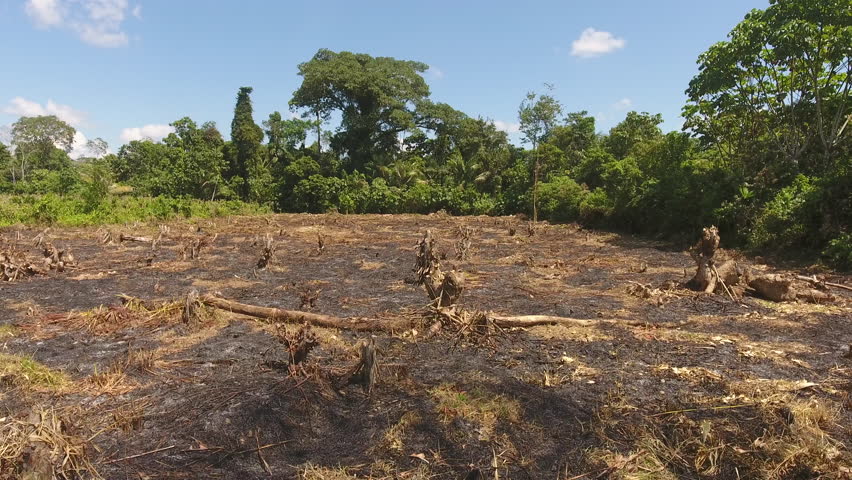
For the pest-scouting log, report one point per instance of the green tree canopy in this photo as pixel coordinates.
(35, 139)
(779, 84)
(376, 98)
(244, 153)
(538, 115)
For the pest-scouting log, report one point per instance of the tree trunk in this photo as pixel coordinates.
(535, 184)
(319, 135)
(298, 317)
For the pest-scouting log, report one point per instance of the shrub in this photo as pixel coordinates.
(317, 194)
(424, 198)
(560, 198)
(791, 218)
(596, 207)
(839, 252)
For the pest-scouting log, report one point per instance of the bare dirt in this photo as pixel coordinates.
(742, 389)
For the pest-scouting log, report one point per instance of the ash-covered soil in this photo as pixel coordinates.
(706, 387)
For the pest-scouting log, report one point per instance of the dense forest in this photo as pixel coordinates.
(765, 152)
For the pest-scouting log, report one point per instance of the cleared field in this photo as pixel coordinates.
(678, 385)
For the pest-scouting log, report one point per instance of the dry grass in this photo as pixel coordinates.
(394, 437)
(112, 380)
(43, 446)
(313, 472)
(7, 332)
(806, 442)
(377, 471)
(480, 406)
(140, 359)
(25, 372)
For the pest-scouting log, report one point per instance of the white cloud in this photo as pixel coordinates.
(96, 22)
(78, 147)
(593, 43)
(622, 104)
(28, 108)
(45, 13)
(6, 134)
(100, 38)
(507, 126)
(152, 132)
(435, 73)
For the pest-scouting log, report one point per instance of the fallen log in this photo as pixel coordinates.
(815, 281)
(133, 238)
(781, 288)
(534, 320)
(299, 317)
(388, 325)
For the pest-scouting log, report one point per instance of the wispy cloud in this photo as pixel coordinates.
(594, 43)
(152, 132)
(6, 134)
(435, 73)
(45, 13)
(95, 22)
(28, 108)
(507, 127)
(623, 104)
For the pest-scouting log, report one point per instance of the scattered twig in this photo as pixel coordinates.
(150, 452)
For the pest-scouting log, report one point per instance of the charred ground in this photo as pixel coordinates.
(705, 388)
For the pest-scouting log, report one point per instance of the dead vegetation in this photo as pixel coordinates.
(44, 445)
(581, 356)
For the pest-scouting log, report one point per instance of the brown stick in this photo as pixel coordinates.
(131, 238)
(533, 320)
(366, 324)
(141, 454)
(298, 317)
(827, 284)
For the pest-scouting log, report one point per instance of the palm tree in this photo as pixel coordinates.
(403, 172)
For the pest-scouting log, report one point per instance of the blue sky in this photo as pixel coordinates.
(124, 69)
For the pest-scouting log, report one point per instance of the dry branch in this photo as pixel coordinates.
(133, 238)
(299, 317)
(443, 289)
(367, 324)
(820, 283)
(711, 273)
(267, 253)
(365, 372)
(783, 288)
(533, 320)
(14, 265)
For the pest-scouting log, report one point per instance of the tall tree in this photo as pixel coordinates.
(6, 166)
(575, 136)
(635, 129)
(780, 83)
(284, 136)
(376, 97)
(192, 163)
(244, 154)
(35, 139)
(538, 115)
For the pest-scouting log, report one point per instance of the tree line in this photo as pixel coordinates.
(764, 154)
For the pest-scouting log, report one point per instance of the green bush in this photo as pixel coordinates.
(424, 198)
(73, 211)
(560, 198)
(791, 218)
(379, 198)
(596, 208)
(317, 194)
(839, 252)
